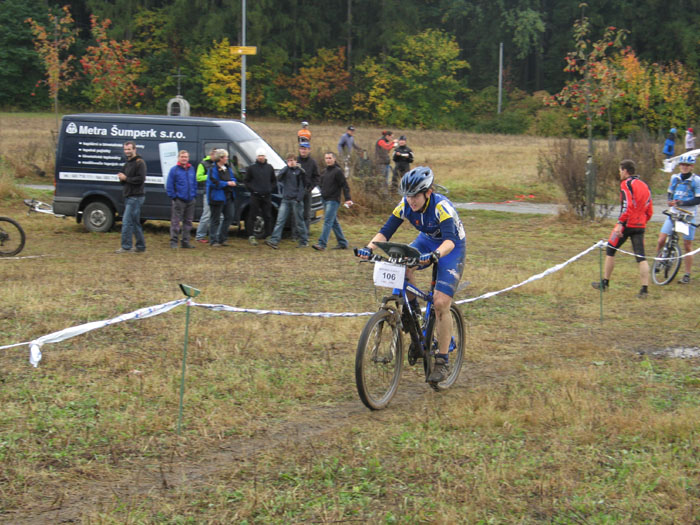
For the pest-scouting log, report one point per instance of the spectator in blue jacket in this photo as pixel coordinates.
(220, 188)
(670, 144)
(293, 179)
(182, 189)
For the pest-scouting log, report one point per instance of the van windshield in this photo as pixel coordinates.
(248, 142)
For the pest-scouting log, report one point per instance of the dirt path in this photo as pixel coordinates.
(150, 476)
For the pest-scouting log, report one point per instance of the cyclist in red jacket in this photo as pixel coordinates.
(636, 209)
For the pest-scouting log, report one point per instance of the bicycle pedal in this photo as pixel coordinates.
(413, 354)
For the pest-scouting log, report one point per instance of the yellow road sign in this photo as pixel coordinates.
(244, 50)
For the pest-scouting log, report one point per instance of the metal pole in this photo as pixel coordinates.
(500, 76)
(184, 361)
(600, 271)
(243, 64)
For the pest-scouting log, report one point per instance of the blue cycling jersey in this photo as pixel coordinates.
(438, 220)
(685, 191)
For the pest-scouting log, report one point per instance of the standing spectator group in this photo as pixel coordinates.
(220, 178)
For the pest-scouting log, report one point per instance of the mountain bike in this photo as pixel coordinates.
(379, 356)
(668, 260)
(12, 237)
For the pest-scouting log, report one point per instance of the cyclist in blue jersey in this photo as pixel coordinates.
(684, 192)
(441, 240)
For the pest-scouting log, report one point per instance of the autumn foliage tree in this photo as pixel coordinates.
(110, 68)
(317, 90)
(220, 71)
(655, 95)
(52, 43)
(591, 93)
(416, 84)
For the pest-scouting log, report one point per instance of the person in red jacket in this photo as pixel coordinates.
(636, 209)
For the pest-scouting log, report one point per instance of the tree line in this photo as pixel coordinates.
(423, 63)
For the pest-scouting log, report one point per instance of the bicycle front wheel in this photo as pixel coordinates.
(11, 237)
(456, 350)
(378, 360)
(663, 272)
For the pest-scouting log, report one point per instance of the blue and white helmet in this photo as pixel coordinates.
(418, 180)
(686, 159)
(672, 130)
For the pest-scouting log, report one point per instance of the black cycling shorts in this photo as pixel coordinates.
(637, 236)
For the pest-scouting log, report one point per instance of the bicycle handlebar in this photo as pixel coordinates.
(680, 214)
(410, 262)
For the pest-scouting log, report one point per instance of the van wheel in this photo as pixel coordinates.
(98, 217)
(256, 227)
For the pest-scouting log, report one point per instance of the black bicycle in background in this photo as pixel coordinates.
(668, 260)
(12, 237)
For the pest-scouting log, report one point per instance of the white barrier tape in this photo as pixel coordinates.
(689, 254)
(150, 311)
(67, 333)
(23, 257)
(534, 277)
(12, 346)
(226, 308)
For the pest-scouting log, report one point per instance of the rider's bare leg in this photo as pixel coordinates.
(443, 320)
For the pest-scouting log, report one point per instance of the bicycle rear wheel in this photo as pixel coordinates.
(378, 360)
(663, 272)
(11, 237)
(456, 351)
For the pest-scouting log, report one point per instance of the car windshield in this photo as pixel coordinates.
(248, 142)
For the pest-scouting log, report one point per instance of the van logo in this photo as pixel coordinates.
(71, 128)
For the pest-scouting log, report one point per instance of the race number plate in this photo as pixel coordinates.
(682, 228)
(389, 275)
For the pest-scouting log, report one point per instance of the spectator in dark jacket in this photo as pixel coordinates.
(261, 182)
(182, 189)
(133, 179)
(313, 178)
(220, 187)
(403, 157)
(382, 148)
(292, 177)
(333, 181)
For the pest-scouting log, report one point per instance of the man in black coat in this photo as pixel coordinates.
(333, 181)
(313, 178)
(261, 182)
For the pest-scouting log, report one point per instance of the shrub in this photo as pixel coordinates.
(564, 162)
(8, 186)
(514, 122)
(550, 122)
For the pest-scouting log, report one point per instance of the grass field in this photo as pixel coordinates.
(558, 416)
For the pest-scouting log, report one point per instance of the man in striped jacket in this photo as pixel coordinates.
(635, 211)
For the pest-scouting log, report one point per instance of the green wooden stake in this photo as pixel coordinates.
(189, 292)
(600, 265)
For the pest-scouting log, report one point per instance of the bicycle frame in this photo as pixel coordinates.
(667, 261)
(680, 216)
(400, 297)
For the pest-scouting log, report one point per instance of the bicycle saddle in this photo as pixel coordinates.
(397, 249)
